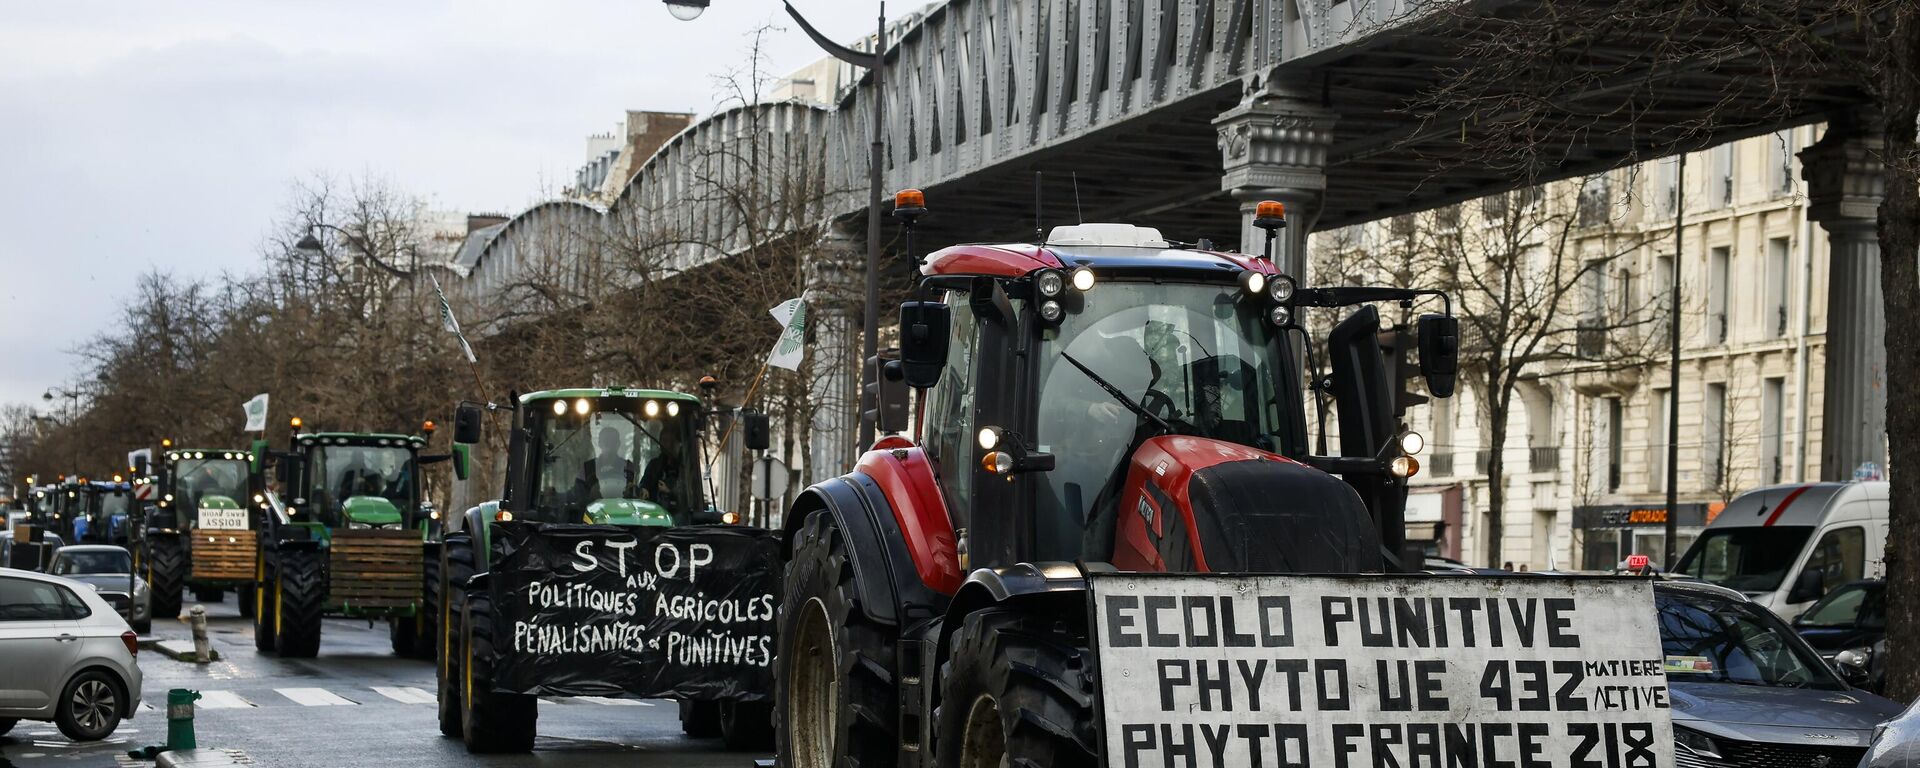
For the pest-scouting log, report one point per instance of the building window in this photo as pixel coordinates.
(1773, 428)
(1718, 273)
(1778, 251)
(1669, 191)
(1657, 428)
(1713, 436)
(1780, 150)
(1595, 197)
(1720, 177)
(1614, 443)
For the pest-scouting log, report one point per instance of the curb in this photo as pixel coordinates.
(177, 650)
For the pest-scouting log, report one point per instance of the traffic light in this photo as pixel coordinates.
(886, 395)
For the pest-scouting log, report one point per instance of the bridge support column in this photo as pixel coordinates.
(834, 288)
(1273, 146)
(1844, 189)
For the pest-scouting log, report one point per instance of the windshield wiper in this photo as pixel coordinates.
(1118, 395)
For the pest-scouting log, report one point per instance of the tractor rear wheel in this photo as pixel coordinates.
(243, 595)
(166, 563)
(492, 722)
(401, 631)
(456, 558)
(426, 637)
(300, 588)
(834, 696)
(1016, 691)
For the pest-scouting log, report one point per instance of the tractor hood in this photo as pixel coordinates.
(1204, 505)
(371, 510)
(627, 512)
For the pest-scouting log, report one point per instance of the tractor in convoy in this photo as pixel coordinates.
(1104, 402)
(343, 534)
(602, 570)
(103, 512)
(31, 539)
(198, 532)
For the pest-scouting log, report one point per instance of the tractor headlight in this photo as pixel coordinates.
(1281, 316)
(1253, 282)
(581, 406)
(673, 408)
(1280, 288)
(1405, 466)
(989, 438)
(997, 462)
(1412, 443)
(559, 407)
(1051, 311)
(1050, 284)
(1083, 279)
(651, 409)
(730, 518)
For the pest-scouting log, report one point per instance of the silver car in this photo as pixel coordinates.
(65, 656)
(1747, 691)
(1897, 743)
(109, 570)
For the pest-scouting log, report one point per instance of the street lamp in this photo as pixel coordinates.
(874, 62)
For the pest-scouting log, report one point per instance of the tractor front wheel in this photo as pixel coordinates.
(263, 605)
(456, 566)
(1016, 692)
(492, 722)
(166, 563)
(299, 595)
(834, 697)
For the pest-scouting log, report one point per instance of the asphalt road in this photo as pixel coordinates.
(355, 705)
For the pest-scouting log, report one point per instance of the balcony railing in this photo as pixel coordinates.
(1443, 464)
(1543, 458)
(1590, 337)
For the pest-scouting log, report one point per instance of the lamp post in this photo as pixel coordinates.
(875, 62)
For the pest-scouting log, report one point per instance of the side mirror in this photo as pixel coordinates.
(462, 458)
(1807, 588)
(1439, 352)
(466, 424)
(758, 431)
(259, 457)
(1852, 666)
(925, 329)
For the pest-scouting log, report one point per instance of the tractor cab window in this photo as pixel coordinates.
(108, 503)
(194, 480)
(1200, 357)
(950, 414)
(620, 462)
(362, 485)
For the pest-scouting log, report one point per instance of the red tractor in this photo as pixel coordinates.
(1107, 400)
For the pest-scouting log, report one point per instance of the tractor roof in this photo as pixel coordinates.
(361, 438)
(1105, 247)
(211, 453)
(657, 394)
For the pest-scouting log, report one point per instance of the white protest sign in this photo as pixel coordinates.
(223, 519)
(1357, 672)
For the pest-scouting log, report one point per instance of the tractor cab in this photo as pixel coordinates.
(209, 488)
(107, 506)
(1109, 396)
(615, 456)
(341, 480)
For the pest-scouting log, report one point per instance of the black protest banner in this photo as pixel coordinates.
(600, 610)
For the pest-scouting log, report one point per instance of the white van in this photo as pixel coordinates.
(1787, 545)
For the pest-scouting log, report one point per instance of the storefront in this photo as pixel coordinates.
(1433, 520)
(1608, 533)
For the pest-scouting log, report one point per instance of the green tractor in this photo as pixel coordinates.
(199, 533)
(615, 468)
(344, 535)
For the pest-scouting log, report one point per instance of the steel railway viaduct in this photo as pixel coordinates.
(1177, 114)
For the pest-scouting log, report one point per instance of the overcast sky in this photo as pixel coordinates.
(136, 135)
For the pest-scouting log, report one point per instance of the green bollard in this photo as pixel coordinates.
(180, 718)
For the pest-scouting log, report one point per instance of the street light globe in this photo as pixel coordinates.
(686, 10)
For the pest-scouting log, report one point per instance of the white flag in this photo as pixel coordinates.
(792, 344)
(256, 413)
(446, 313)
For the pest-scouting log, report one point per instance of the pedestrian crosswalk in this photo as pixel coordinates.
(313, 696)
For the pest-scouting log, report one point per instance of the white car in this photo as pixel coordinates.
(65, 655)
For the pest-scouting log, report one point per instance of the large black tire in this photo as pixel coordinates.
(456, 565)
(401, 631)
(427, 621)
(166, 563)
(1016, 691)
(491, 722)
(824, 638)
(263, 605)
(243, 596)
(300, 595)
(746, 726)
(89, 707)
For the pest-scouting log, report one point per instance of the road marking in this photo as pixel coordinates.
(406, 695)
(221, 700)
(616, 702)
(314, 697)
(145, 707)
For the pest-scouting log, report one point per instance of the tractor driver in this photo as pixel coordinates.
(608, 474)
(1086, 429)
(662, 476)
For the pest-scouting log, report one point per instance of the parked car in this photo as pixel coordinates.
(23, 557)
(1747, 691)
(69, 657)
(109, 570)
(1896, 744)
(1786, 546)
(1848, 628)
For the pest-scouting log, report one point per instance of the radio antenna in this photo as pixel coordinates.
(1077, 212)
(1039, 230)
